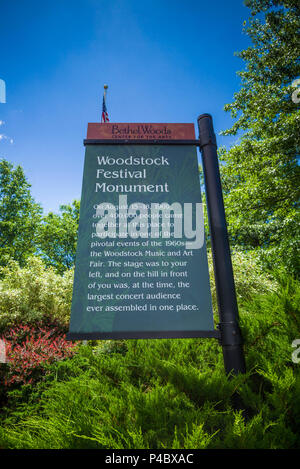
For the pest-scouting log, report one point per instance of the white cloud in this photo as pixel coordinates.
(5, 137)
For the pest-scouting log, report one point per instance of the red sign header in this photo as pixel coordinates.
(114, 130)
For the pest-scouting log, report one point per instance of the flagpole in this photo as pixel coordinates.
(104, 101)
(105, 90)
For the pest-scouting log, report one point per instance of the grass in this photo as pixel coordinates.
(169, 393)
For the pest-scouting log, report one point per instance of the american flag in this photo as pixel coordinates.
(104, 117)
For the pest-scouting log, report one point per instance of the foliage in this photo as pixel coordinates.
(172, 393)
(169, 393)
(250, 279)
(58, 237)
(34, 293)
(19, 215)
(29, 349)
(261, 175)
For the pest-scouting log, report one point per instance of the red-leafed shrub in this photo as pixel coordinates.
(29, 349)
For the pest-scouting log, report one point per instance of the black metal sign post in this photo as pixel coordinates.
(230, 334)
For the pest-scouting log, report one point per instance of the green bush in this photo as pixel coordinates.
(249, 276)
(172, 393)
(34, 292)
(159, 393)
(31, 293)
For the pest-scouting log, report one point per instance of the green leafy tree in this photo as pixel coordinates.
(261, 175)
(58, 237)
(19, 215)
(34, 294)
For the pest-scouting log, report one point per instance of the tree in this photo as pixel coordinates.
(19, 215)
(261, 172)
(58, 237)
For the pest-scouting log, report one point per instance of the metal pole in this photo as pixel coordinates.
(231, 338)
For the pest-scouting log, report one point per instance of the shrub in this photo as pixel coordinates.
(30, 349)
(173, 393)
(34, 292)
(248, 276)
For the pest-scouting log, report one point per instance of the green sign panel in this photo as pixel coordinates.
(141, 264)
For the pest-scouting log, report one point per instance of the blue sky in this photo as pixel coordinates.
(164, 61)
